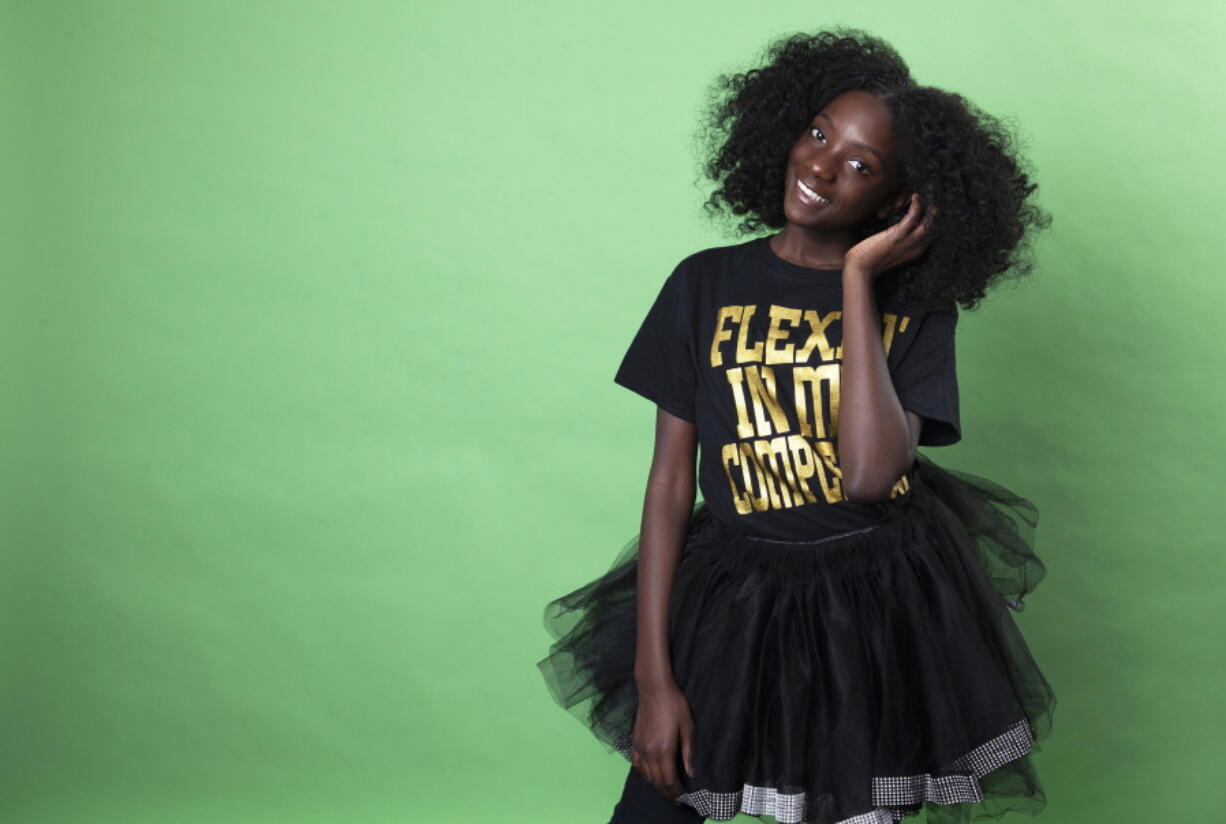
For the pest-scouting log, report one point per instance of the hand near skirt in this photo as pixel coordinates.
(661, 721)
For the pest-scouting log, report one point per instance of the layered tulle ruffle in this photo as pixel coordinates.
(854, 679)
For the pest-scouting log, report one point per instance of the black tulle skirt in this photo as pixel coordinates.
(853, 680)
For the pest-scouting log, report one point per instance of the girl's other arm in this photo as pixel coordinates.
(667, 506)
(663, 726)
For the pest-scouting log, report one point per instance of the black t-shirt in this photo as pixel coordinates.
(747, 346)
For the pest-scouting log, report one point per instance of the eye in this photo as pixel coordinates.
(863, 168)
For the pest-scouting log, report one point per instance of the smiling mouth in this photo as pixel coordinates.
(809, 196)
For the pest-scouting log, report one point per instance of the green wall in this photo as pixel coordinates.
(311, 317)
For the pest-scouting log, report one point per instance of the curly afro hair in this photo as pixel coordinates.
(953, 154)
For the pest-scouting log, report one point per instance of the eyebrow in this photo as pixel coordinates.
(865, 146)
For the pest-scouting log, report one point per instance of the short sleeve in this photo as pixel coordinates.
(659, 364)
(926, 379)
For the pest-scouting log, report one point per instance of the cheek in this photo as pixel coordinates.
(859, 188)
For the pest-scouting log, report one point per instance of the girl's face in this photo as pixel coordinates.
(843, 168)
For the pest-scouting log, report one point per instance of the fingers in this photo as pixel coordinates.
(666, 772)
(915, 224)
(660, 770)
(669, 783)
(687, 750)
(930, 214)
(909, 219)
(649, 772)
(913, 230)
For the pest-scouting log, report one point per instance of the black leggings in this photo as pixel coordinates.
(642, 803)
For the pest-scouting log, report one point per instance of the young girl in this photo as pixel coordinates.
(824, 637)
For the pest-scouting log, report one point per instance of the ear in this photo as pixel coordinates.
(896, 202)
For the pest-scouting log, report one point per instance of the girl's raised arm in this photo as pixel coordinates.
(877, 437)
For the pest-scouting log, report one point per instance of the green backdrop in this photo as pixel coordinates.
(312, 312)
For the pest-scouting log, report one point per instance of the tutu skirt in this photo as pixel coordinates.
(854, 679)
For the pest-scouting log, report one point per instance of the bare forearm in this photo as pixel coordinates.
(873, 437)
(666, 514)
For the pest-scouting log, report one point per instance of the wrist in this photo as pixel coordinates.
(652, 680)
(854, 272)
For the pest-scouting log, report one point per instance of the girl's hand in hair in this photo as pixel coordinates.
(899, 244)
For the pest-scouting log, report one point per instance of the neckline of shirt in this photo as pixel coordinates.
(767, 256)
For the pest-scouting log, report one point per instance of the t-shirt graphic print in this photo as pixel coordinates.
(748, 347)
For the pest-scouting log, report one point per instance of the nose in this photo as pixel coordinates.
(819, 165)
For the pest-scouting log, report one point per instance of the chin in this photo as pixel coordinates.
(811, 221)
(800, 216)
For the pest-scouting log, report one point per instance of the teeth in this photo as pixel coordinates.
(812, 194)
